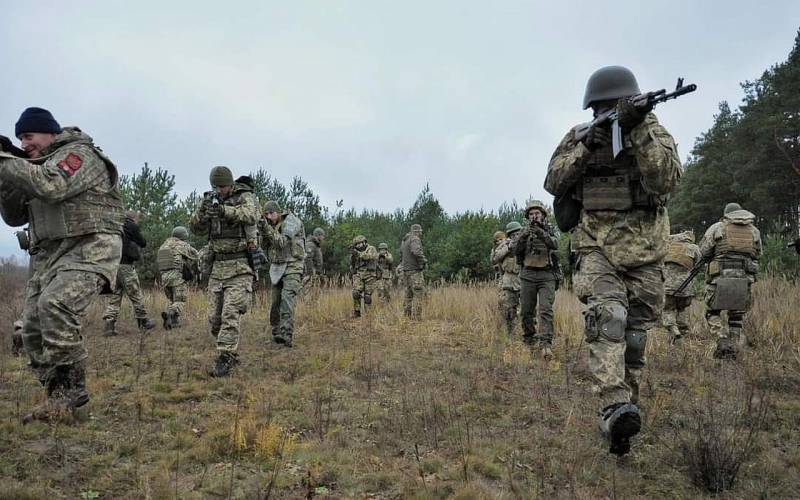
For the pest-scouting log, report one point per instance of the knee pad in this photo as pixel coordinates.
(608, 321)
(368, 299)
(356, 294)
(635, 344)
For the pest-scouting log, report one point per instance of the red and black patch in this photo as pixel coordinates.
(71, 164)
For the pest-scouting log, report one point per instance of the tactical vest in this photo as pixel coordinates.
(737, 239)
(366, 265)
(291, 227)
(509, 264)
(678, 253)
(89, 212)
(613, 183)
(223, 228)
(383, 262)
(537, 255)
(166, 259)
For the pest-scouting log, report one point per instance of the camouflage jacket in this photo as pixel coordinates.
(413, 256)
(385, 264)
(675, 272)
(503, 257)
(314, 262)
(184, 255)
(712, 249)
(285, 245)
(240, 215)
(365, 261)
(628, 238)
(71, 199)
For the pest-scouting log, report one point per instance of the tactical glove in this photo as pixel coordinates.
(216, 211)
(7, 146)
(631, 113)
(596, 138)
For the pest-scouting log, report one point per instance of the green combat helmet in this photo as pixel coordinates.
(221, 176)
(538, 205)
(610, 83)
(318, 232)
(416, 228)
(181, 233)
(359, 239)
(732, 207)
(383, 246)
(271, 206)
(513, 227)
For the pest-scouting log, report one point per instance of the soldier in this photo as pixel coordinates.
(227, 214)
(385, 267)
(128, 279)
(732, 247)
(534, 251)
(363, 268)
(620, 238)
(503, 259)
(314, 263)
(67, 190)
(177, 262)
(682, 256)
(413, 264)
(284, 238)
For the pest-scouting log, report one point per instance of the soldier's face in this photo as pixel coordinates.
(272, 217)
(33, 143)
(535, 215)
(223, 191)
(600, 107)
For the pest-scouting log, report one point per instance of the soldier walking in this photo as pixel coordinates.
(284, 239)
(619, 236)
(682, 256)
(363, 268)
(128, 279)
(505, 261)
(732, 247)
(68, 191)
(385, 269)
(534, 250)
(177, 263)
(413, 264)
(314, 263)
(228, 215)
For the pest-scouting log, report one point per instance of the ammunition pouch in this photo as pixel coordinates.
(732, 294)
(567, 211)
(165, 259)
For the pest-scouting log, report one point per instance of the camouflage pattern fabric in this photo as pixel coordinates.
(281, 312)
(508, 284)
(676, 315)
(364, 284)
(175, 287)
(639, 291)
(386, 268)
(128, 284)
(228, 299)
(414, 283)
(413, 255)
(538, 289)
(676, 308)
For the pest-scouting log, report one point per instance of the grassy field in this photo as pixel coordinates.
(381, 407)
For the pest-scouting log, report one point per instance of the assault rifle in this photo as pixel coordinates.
(610, 116)
(694, 272)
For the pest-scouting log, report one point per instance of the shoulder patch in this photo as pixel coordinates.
(71, 164)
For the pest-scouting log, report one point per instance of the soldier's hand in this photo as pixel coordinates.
(596, 138)
(631, 112)
(214, 210)
(7, 146)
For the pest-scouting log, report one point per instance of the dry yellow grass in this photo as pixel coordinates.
(382, 407)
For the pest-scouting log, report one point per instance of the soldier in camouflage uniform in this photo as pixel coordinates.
(503, 259)
(682, 256)
(539, 273)
(413, 264)
(732, 247)
(128, 279)
(67, 190)
(284, 239)
(364, 269)
(314, 262)
(620, 238)
(385, 268)
(228, 216)
(177, 262)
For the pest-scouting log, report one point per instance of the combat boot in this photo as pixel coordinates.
(619, 422)
(145, 323)
(66, 391)
(175, 318)
(356, 313)
(547, 352)
(224, 364)
(110, 328)
(725, 349)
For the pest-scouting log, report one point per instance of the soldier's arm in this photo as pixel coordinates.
(759, 245)
(389, 259)
(657, 156)
(64, 175)
(709, 242)
(500, 253)
(566, 165)
(415, 246)
(246, 213)
(199, 221)
(549, 238)
(369, 254)
(135, 234)
(12, 206)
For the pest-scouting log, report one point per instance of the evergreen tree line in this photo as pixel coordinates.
(751, 155)
(457, 245)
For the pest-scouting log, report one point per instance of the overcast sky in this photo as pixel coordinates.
(369, 100)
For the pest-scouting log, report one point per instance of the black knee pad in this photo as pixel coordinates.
(368, 299)
(606, 320)
(712, 312)
(635, 345)
(357, 294)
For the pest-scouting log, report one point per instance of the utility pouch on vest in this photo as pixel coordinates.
(607, 193)
(677, 255)
(165, 259)
(731, 294)
(537, 260)
(567, 211)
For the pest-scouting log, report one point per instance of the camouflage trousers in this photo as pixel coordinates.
(228, 299)
(538, 288)
(364, 283)
(281, 312)
(414, 283)
(622, 307)
(385, 289)
(311, 286)
(718, 328)
(54, 311)
(127, 283)
(509, 303)
(676, 315)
